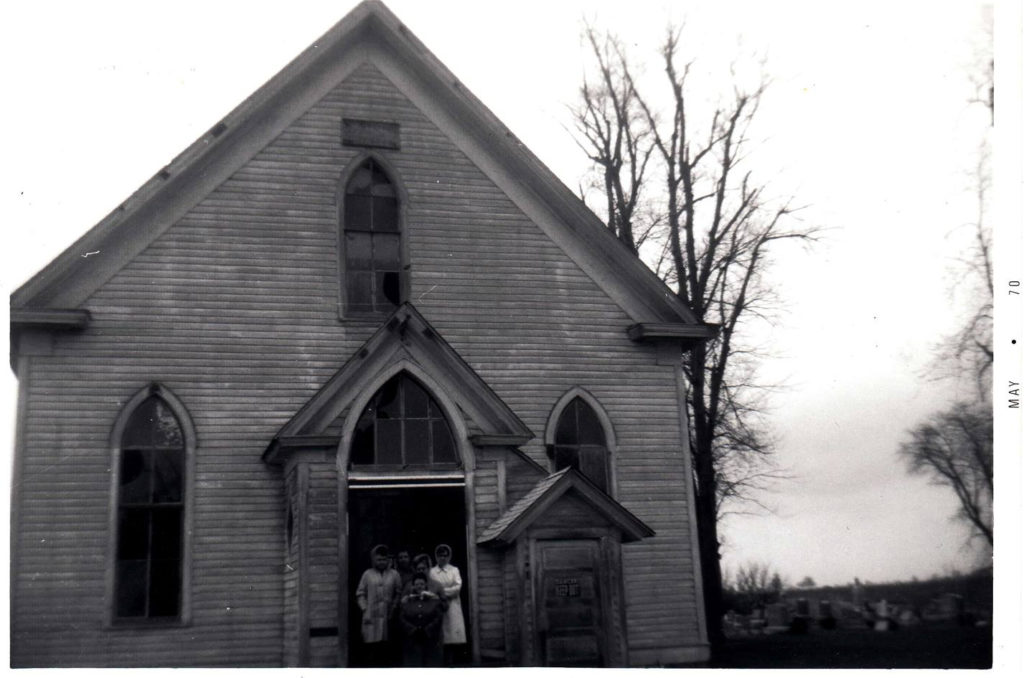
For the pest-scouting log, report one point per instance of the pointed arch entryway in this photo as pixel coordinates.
(359, 441)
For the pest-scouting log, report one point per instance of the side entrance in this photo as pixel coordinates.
(570, 586)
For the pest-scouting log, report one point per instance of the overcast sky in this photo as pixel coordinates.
(867, 123)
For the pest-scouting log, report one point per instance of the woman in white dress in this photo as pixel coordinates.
(453, 628)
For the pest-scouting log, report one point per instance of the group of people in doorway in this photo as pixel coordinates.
(410, 605)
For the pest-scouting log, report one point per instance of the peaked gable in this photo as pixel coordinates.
(546, 493)
(405, 341)
(369, 32)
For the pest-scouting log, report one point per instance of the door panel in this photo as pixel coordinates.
(571, 623)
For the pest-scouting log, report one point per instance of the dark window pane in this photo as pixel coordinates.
(357, 212)
(566, 433)
(361, 179)
(362, 439)
(388, 406)
(590, 429)
(167, 534)
(381, 184)
(389, 441)
(135, 477)
(167, 469)
(389, 289)
(385, 215)
(358, 251)
(417, 441)
(165, 588)
(385, 251)
(594, 465)
(566, 456)
(410, 427)
(139, 430)
(167, 430)
(444, 445)
(360, 291)
(132, 534)
(416, 400)
(131, 588)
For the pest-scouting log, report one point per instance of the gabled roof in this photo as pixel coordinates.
(370, 32)
(404, 341)
(544, 494)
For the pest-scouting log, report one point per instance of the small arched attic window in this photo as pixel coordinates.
(580, 443)
(372, 241)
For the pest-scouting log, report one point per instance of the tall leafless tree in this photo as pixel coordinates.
(718, 225)
(954, 447)
(611, 131)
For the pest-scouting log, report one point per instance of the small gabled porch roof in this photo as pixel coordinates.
(507, 528)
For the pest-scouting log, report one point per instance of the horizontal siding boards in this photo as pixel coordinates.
(322, 552)
(234, 309)
(490, 586)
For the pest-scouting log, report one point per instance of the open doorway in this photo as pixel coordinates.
(402, 517)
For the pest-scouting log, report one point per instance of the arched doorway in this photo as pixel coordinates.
(406, 489)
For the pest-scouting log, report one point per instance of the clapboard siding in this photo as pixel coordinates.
(235, 309)
(490, 584)
(322, 552)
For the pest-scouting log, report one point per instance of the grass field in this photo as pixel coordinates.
(920, 647)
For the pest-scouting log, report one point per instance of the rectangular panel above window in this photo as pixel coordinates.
(369, 133)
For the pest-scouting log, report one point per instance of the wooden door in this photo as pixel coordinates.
(570, 616)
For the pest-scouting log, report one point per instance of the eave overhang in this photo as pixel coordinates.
(281, 448)
(50, 318)
(686, 334)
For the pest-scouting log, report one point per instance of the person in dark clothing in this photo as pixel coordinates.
(420, 615)
(421, 563)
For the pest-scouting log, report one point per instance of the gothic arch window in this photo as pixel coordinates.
(403, 427)
(153, 442)
(579, 442)
(372, 242)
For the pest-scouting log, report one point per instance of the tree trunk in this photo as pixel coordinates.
(707, 533)
(706, 503)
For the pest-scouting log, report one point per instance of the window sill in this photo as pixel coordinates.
(146, 623)
(365, 316)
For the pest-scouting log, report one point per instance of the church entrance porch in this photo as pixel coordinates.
(413, 515)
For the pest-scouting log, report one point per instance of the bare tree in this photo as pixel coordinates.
(969, 351)
(954, 448)
(611, 131)
(754, 585)
(718, 226)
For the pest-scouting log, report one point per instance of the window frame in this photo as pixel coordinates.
(344, 310)
(184, 616)
(455, 465)
(610, 446)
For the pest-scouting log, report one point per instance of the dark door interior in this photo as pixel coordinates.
(569, 589)
(414, 518)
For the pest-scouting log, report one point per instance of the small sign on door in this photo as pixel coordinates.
(567, 587)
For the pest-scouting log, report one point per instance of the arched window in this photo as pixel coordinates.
(373, 241)
(580, 442)
(150, 513)
(402, 427)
